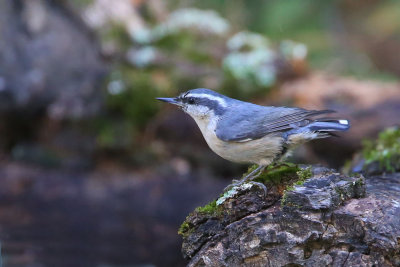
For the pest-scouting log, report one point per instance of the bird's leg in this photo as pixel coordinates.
(252, 175)
(249, 177)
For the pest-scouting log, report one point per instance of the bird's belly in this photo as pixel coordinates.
(261, 151)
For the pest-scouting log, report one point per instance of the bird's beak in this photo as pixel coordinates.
(170, 100)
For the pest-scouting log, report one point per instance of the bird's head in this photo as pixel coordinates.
(200, 103)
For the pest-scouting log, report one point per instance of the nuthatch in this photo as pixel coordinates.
(243, 132)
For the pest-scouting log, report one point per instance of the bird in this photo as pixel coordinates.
(244, 132)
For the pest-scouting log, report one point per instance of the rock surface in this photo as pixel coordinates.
(326, 221)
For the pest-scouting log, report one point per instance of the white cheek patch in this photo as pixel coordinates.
(344, 122)
(220, 100)
(197, 111)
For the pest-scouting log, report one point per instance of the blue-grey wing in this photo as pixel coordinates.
(254, 121)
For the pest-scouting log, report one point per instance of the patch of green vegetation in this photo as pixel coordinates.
(130, 104)
(135, 98)
(360, 181)
(341, 192)
(184, 229)
(288, 189)
(304, 174)
(360, 187)
(285, 176)
(209, 210)
(284, 199)
(276, 174)
(385, 150)
(116, 34)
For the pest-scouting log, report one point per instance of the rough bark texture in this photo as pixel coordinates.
(327, 221)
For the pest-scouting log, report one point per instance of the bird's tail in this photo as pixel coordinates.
(325, 127)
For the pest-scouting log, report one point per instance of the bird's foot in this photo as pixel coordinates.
(260, 185)
(232, 185)
(237, 183)
(249, 179)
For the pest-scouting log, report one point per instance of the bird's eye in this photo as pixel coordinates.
(191, 100)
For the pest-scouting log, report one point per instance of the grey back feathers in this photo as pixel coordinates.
(254, 122)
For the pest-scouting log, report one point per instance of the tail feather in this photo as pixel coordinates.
(316, 129)
(329, 125)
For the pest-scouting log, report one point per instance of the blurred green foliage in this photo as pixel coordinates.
(385, 150)
(321, 25)
(133, 96)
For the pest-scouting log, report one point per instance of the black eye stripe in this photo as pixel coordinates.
(203, 101)
(189, 100)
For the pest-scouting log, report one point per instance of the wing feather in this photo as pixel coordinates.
(254, 122)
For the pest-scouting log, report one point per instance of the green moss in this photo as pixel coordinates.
(276, 174)
(284, 199)
(359, 186)
(385, 150)
(209, 210)
(303, 175)
(342, 193)
(360, 182)
(285, 177)
(184, 229)
(289, 188)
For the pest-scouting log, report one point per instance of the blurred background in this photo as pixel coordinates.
(95, 172)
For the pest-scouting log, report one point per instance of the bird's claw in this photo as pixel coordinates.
(237, 183)
(232, 185)
(260, 185)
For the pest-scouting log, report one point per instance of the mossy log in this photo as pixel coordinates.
(328, 220)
